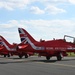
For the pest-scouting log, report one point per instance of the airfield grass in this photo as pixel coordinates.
(71, 54)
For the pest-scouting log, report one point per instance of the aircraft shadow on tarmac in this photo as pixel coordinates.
(29, 61)
(18, 60)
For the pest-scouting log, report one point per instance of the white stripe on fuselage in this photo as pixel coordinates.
(9, 49)
(6, 46)
(32, 45)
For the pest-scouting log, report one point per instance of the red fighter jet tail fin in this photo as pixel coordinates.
(4, 43)
(24, 35)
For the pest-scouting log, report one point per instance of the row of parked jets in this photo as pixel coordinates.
(29, 46)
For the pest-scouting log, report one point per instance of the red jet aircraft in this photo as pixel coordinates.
(7, 49)
(55, 47)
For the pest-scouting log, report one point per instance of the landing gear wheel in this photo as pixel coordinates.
(20, 56)
(48, 57)
(4, 55)
(26, 56)
(59, 58)
(8, 55)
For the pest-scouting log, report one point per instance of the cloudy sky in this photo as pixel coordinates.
(46, 19)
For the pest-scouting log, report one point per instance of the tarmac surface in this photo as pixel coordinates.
(36, 66)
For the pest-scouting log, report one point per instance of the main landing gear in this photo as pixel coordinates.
(26, 56)
(59, 57)
(20, 56)
(8, 55)
(48, 57)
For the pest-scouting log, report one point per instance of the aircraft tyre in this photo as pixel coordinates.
(48, 57)
(59, 58)
(20, 56)
(8, 55)
(26, 56)
(4, 55)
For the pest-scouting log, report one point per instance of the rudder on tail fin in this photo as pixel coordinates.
(24, 34)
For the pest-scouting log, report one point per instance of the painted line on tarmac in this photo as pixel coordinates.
(57, 64)
(63, 65)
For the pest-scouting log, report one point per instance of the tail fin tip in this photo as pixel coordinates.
(23, 34)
